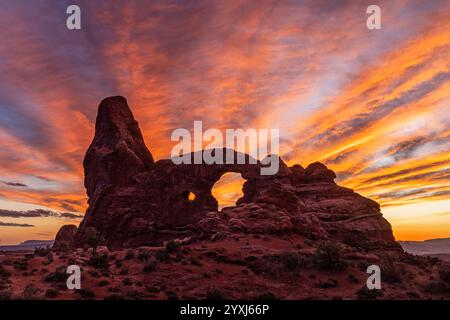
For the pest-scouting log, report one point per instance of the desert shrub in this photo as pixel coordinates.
(135, 295)
(413, 295)
(171, 295)
(411, 259)
(94, 273)
(433, 260)
(329, 257)
(42, 252)
(153, 289)
(150, 266)
(86, 294)
(437, 287)
(214, 294)
(93, 240)
(255, 266)
(366, 294)
(21, 265)
(172, 246)
(391, 272)
(259, 266)
(162, 255)
(63, 247)
(144, 255)
(357, 240)
(267, 296)
(103, 283)
(124, 271)
(5, 294)
(4, 273)
(196, 262)
(290, 260)
(330, 283)
(99, 261)
(119, 264)
(29, 293)
(352, 278)
(51, 293)
(445, 275)
(114, 296)
(59, 275)
(131, 254)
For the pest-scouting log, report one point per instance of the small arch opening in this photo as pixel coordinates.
(228, 189)
(188, 195)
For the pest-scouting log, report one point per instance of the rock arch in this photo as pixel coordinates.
(134, 200)
(228, 190)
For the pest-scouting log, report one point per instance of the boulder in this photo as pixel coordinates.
(65, 237)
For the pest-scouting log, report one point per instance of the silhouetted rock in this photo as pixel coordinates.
(118, 151)
(317, 172)
(65, 237)
(135, 201)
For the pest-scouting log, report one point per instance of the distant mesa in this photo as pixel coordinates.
(439, 248)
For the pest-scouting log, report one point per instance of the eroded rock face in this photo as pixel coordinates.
(65, 237)
(135, 201)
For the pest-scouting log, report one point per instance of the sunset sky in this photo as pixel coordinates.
(373, 105)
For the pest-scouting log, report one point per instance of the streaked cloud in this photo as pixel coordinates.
(38, 213)
(10, 224)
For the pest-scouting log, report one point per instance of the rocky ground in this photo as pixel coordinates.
(240, 266)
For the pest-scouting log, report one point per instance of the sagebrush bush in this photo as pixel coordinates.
(59, 275)
(131, 254)
(114, 297)
(5, 294)
(42, 252)
(329, 257)
(86, 294)
(30, 291)
(103, 283)
(391, 272)
(150, 266)
(51, 293)
(356, 240)
(144, 255)
(445, 275)
(214, 294)
(366, 294)
(21, 265)
(290, 260)
(172, 246)
(267, 296)
(4, 273)
(99, 261)
(437, 287)
(162, 255)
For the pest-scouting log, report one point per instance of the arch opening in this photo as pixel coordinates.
(228, 189)
(188, 195)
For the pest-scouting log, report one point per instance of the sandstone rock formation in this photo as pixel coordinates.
(135, 201)
(65, 237)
